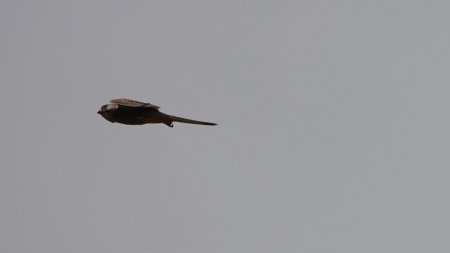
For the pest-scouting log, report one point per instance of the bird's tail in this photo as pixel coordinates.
(188, 121)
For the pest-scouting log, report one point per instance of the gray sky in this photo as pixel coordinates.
(333, 128)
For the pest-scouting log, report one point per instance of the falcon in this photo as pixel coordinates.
(131, 112)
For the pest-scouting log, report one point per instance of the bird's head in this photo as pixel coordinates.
(107, 111)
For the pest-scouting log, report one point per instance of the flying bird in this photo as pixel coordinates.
(131, 112)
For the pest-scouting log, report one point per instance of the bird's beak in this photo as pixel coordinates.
(99, 112)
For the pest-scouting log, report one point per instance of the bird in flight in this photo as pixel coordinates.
(131, 112)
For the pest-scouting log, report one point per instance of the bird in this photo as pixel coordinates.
(132, 112)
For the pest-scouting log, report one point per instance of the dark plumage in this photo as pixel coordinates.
(132, 112)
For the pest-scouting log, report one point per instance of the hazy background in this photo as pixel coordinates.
(333, 128)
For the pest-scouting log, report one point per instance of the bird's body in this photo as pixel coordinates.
(132, 112)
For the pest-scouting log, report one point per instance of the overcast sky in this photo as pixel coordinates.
(333, 135)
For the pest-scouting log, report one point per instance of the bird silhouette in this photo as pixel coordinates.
(131, 112)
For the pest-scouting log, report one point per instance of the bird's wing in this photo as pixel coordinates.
(132, 103)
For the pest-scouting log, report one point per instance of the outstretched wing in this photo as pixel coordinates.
(132, 103)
